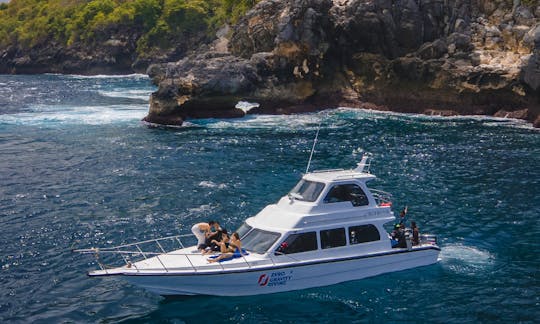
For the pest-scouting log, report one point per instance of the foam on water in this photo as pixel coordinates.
(103, 76)
(466, 259)
(344, 116)
(55, 99)
(142, 94)
(201, 210)
(485, 120)
(262, 122)
(80, 115)
(210, 184)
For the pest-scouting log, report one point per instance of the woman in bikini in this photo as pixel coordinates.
(229, 250)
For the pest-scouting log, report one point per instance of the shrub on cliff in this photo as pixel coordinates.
(152, 24)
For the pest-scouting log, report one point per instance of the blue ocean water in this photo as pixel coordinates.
(78, 169)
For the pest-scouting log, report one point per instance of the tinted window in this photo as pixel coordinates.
(307, 190)
(347, 192)
(332, 238)
(243, 230)
(363, 233)
(296, 243)
(259, 241)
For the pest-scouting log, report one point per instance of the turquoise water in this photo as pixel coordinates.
(78, 169)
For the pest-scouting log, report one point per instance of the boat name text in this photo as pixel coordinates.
(275, 278)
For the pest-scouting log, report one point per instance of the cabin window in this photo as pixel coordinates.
(347, 192)
(297, 243)
(333, 238)
(243, 230)
(363, 234)
(307, 190)
(259, 241)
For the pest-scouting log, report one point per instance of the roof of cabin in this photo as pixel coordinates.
(337, 175)
(278, 219)
(290, 213)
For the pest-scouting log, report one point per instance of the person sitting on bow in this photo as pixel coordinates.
(231, 250)
(214, 244)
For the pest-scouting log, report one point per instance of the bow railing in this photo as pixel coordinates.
(127, 256)
(107, 257)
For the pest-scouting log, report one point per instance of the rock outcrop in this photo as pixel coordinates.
(427, 56)
(111, 57)
(115, 55)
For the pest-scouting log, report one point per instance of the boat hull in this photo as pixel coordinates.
(276, 279)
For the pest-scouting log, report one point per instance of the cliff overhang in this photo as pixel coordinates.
(433, 57)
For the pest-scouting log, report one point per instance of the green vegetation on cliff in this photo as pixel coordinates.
(152, 24)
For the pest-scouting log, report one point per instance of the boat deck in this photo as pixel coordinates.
(190, 261)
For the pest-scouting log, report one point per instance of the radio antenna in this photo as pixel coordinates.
(314, 143)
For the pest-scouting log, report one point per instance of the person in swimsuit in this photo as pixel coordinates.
(228, 251)
(215, 245)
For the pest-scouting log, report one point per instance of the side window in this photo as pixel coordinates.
(332, 238)
(297, 243)
(363, 233)
(347, 192)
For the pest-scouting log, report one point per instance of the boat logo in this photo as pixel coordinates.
(263, 279)
(279, 278)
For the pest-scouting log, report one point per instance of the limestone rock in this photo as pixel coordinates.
(427, 56)
(433, 50)
(523, 16)
(531, 72)
(518, 114)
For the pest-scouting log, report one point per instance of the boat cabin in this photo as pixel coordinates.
(327, 211)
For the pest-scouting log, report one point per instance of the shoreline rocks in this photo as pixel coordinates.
(416, 56)
(289, 56)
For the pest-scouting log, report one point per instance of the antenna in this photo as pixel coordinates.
(314, 143)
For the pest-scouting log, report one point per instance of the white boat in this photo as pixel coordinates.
(328, 229)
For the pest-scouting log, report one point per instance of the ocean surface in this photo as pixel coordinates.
(78, 169)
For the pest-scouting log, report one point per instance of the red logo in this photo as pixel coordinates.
(263, 280)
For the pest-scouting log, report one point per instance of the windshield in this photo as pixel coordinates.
(307, 190)
(243, 230)
(259, 241)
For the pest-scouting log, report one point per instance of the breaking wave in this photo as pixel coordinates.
(87, 115)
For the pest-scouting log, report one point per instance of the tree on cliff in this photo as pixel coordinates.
(145, 27)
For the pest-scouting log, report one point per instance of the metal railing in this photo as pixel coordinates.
(134, 252)
(382, 198)
(428, 239)
(128, 254)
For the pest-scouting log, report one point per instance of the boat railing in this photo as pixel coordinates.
(326, 170)
(128, 254)
(428, 239)
(382, 198)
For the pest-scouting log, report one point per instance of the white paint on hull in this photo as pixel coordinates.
(267, 281)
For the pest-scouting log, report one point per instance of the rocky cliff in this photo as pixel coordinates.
(115, 55)
(105, 36)
(426, 56)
